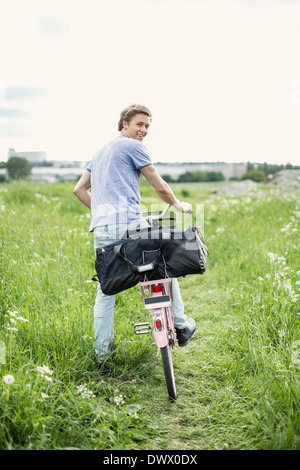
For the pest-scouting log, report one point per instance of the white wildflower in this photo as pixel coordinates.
(44, 370)
(13, 313)
(288, 287)
(287, 227)
(49, 379)
(44, 395)
(85, 392)
(276, 258)
(119, 400)
(8, 379)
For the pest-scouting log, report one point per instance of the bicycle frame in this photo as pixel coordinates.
(157, 297)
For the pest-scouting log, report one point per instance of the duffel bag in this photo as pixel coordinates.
(150, 255)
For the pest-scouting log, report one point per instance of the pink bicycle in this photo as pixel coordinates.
(157, 297)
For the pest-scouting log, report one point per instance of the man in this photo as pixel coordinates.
(113, 176)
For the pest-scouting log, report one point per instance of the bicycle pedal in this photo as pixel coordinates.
(141, 328)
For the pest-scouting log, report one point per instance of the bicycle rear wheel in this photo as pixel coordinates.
(169, 371)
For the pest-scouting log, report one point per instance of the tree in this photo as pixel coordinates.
(199, 176)
(186, 177)
(18, 168)
(168, 178)
(254, 175)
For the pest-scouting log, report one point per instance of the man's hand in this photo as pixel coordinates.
(183, 207)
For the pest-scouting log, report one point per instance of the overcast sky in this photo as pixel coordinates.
(221, 77)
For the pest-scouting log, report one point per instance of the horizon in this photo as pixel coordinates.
(170, 163)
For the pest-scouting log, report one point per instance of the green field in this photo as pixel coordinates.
(237, 380)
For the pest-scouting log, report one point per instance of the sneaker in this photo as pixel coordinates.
(103, 367)
(185, 334)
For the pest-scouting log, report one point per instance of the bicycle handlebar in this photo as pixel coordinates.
(150, 218)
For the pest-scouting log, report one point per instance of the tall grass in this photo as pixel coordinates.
(238, 379)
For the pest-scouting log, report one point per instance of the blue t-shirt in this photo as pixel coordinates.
(115, 182)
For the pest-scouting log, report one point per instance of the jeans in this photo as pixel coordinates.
(105, 304)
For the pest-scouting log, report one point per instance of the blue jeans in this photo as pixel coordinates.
(105, 304)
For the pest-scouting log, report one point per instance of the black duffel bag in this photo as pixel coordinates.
(150, 254)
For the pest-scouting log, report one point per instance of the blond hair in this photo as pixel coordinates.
(128, 113)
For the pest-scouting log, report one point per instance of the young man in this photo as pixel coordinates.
(113, 176)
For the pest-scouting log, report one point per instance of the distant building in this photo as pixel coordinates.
(34, 158)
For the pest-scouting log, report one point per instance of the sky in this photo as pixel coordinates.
(221, 77)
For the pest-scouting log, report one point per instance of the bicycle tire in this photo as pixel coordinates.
(169, 371)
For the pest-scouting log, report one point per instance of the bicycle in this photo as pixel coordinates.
(157, 297)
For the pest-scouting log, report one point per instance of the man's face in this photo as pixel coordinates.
(137, 128)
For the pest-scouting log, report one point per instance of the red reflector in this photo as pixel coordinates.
(156, 288)
(158, 324)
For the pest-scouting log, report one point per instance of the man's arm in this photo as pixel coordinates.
(163, 190)
(81, 189)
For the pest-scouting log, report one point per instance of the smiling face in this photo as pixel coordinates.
(137, 127)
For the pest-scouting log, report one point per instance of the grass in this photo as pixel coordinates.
(237, 380)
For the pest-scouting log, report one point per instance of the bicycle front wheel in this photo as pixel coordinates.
(169, 371)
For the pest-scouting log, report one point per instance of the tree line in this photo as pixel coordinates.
(270, 168)
(195, 177)
(255, 171)
(259, 172)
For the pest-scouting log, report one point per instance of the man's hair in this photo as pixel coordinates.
(128, 113)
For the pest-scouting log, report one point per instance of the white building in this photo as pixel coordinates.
(34, 158)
